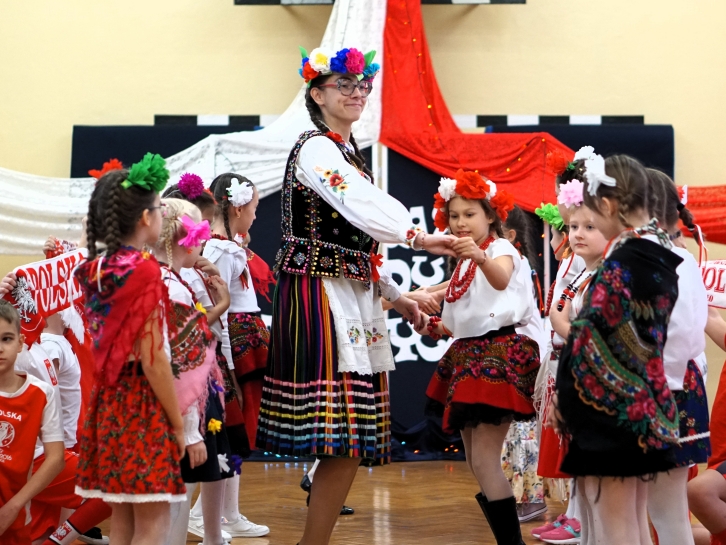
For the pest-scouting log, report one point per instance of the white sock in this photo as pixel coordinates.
(230, 506)
(571, 512)
(180, 519)
(197, 509)
(65, 534)
(668, 507)
(212, 509)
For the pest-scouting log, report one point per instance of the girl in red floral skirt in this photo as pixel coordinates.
(133, 435)
(486, 378)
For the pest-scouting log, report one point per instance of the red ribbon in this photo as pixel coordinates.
(376, 261)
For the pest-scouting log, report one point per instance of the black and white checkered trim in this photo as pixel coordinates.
(216, 120)
(475, 121)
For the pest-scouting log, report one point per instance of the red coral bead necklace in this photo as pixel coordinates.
(459, 284)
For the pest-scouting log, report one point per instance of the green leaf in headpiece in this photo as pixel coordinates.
(150, 173)
(551, 215)
(370, 56)
(303, 52)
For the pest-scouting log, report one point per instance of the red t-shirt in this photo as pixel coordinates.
(31, 412)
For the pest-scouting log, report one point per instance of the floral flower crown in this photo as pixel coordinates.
(550, 215)
(470, 185)
(323, 62)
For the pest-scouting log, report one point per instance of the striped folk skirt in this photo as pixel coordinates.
(308, 407)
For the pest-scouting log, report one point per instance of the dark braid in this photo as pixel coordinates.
(672, 209)
(518, 221)
(114, 212)
(316, 116)
(219, 189)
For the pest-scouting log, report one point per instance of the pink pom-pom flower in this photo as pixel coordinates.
(196, 232)
(191, 186)
(355, 62)
(571, 193)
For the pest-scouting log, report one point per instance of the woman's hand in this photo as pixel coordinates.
(436, 244)
(197, 454)
(8, 283)
(426, 301)
(409, 310)
(466, 248)
(206, 266)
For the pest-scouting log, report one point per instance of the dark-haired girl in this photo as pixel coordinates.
(133, 436)
(612, 392)
(485, 381)
(245, 337)
(326, 390)
(667, 497)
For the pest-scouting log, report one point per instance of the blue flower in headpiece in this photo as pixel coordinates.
(337, 63)
(371, 70)
(302, 65)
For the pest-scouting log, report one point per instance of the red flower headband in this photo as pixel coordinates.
(472, 186)
(108, 166)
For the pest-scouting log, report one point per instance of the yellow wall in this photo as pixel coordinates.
(122, 61)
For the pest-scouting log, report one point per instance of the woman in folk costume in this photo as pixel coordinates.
(612, 395)
(326, 390)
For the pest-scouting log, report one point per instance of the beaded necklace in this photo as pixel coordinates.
(458, 285)
(572, 289)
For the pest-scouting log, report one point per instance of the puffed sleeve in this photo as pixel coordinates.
(389, 289)
(322, 167)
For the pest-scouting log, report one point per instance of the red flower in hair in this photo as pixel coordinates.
(557, 163)
(108, 166)
(441, 220)
(502, 202)
(471, 185)
(309, 73)
(439, 202)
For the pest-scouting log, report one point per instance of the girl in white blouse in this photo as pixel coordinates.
(486, 378)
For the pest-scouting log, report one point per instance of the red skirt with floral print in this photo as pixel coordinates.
(128, 451)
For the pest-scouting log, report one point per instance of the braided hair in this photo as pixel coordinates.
(518, 222)
(219, 189)
(113, 211)
(670, 209)
(172, 229)
(316, 116)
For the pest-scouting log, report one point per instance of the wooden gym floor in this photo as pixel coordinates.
(418, 503)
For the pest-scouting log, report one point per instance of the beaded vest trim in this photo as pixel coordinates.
(317, 240)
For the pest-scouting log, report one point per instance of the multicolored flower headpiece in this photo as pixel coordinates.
(323, 62)
(470, 185)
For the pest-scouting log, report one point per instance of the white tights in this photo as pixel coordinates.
(668, 507)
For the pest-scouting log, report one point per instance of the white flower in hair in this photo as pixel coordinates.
(320, 58)
(447, 188)
(240, 193)
(584, 152)
(492, 189)
(595, 173)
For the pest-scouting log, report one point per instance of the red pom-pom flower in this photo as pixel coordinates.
(557, 163)
(502, 202)
(108, 166)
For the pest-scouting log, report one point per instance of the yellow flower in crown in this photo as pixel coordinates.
(214, 425)
(200, 307)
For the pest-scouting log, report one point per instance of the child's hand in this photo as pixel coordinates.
(554, 418)
(437, 244)
(423, 330)
(206, 266)
(8, 283)
(8, 513)
(466, 248)
(409, 310)
(220, 290)
(179, 434)
(197, 454)
(49, 246)
(426, 301)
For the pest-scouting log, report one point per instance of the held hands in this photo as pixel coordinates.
(423, 329)
(408, 308)
(427, 302)
(197, 454)
(466, 248)
(436, 244)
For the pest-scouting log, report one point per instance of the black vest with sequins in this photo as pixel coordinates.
(317, 240)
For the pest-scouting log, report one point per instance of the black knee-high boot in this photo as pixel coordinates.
(502, 518)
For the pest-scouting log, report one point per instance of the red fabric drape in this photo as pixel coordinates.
(708, 205)
(417, 124)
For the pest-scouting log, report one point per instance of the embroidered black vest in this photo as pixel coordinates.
(317, 240)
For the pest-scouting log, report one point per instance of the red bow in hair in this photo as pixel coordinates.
(376, 261)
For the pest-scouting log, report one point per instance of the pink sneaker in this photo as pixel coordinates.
(559, 521)
(569, 532)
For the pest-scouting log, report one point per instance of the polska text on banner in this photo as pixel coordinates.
(44, 288)
(714, 278)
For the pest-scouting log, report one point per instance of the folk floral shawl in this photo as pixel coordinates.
(613, 362)
(122, 290)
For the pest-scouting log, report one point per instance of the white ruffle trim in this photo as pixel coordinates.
(130, 498)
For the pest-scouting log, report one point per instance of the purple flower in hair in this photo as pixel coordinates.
(191, 186)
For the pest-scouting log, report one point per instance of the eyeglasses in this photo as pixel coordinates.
(347, 87)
